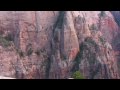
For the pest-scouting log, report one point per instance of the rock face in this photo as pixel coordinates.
(55, 44)
(116, 43)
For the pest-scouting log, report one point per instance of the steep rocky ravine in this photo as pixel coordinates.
(55, 44)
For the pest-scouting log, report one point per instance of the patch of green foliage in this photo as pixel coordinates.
(4, 42)
(102, 40)
(102, 14)
(89, 40)
(77, 75)
(93, 27)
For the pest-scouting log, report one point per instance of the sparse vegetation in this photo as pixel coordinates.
(102, 40)
(92, 48)
(93, 27)
(77, 75)
(41, 51)
(48, 66)
(20, 52)
(77, 61)
(79, 19)
(9, 37)
(37, 52)
(88, 51)
(102, 14)
(30, 51)
(4, 42)
(89, 40)
(63, 57)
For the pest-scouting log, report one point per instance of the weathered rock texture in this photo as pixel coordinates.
(55, 44)
(116, 42)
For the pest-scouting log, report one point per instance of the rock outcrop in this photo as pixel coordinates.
(55, 44)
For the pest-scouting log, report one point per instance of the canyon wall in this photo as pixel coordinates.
(55, 44)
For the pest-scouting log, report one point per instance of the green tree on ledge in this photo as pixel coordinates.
(77, 75)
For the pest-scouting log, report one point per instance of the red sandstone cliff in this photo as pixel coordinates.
(55, 44)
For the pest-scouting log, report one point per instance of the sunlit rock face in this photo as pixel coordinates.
(55, 44)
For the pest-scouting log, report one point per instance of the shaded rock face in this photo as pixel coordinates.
(116, 42)
(116, 15)
(55, 44)
(96, 60)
